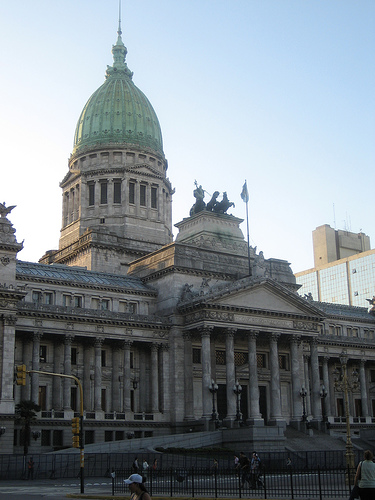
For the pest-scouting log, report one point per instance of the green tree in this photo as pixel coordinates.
(26, 412)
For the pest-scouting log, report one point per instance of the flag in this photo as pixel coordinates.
(245, 193)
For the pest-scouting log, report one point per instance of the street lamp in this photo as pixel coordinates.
(303, 394)
(342, 384)
(36, 435)
(237, 389)
(213, 390)
(323, 395)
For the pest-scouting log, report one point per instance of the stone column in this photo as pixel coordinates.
(275, 414)
(27, 355)
(296, 380)
(255, 417)
(67, 384)
(315, 381)
(87, 362)
(35, 376)
(362, 381)
(126, 385)
(188, 377)
(230, 374)
(326, 383)
(306, 358)
(206, 372)
(7, 365)
(98, 374)
(154, 378)
(116, 362)
(58, 354)
(165, 402)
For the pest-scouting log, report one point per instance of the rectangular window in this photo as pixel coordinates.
(46, 438)
(372, 375)
(154, 197)
(89, 437)
(220, 357)
(105, 305)
(48, 298)
(132, 307)
(37, 297)
(104, 358)
(119, 435)
(43, 354)
(117, 192)
(283, 362)
(66, 300)
(196, 355)
(142, 195)
(131, 359)
(42, 400)
(77, 301)
(103, 193)
(58, 438)
(132, 193)
(108, 436)
(261, 360)
(104, 399)
(73, 398)
(74, 355)
(91, 188)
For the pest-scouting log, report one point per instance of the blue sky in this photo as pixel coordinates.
(278, 92)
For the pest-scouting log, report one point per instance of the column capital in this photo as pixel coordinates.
(68, 339)
(98, 342)
(37, 336)
(253, 334)
(275, 337)
(205, 331)
(296, 339)
(326, 358)
(362, 362)
(10, 319)
(164, 347)
(127, 344)
(230, 332)
(154, 347)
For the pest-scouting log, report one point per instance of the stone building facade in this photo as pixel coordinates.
(159, 332)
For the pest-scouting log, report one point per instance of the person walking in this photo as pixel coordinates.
(244, 469)
(365, 477)
(135, 466)
(145, 467)
(30, 468)
(137, 488)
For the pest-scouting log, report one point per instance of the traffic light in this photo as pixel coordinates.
(75, 431)
(21, 375)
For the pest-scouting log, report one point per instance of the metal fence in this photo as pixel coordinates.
(67, 465)
(271, 483)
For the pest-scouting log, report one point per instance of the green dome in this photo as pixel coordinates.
(118, 113)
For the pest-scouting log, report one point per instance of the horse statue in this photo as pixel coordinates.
(222, 206)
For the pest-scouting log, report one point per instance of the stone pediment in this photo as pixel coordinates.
(265, 295)
(145, 169)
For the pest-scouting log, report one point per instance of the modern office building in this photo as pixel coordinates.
(157, 331)
(345, 268)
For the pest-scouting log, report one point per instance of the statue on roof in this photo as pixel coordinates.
(4, 211)
(218, 207)
(371, 309)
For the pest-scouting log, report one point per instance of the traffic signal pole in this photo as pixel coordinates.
(21, 380)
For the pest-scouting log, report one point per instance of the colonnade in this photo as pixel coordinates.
(155, 391)
(304, 372)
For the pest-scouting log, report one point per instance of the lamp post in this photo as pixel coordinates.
(237, 389)
(36, 435)
(323, 395)
(342, 384)
(213, 390)
(303, 394)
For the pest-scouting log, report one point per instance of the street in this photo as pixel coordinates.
(55, 489)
